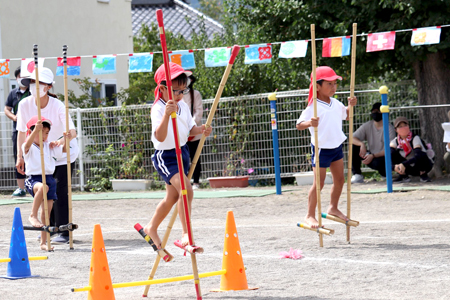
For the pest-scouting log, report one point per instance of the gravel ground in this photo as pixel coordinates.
(401, 250)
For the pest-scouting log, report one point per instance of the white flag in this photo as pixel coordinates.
(27, 66)
(293, 49)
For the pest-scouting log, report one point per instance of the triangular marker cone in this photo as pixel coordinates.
(235, 278)
(19, 266)
(99, 276)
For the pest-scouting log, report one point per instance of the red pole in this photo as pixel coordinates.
(162, 34)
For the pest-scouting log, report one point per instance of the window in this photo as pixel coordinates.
(105, 94)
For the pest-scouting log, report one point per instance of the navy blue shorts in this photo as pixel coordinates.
(327, 156)
(165, 162)
(51, 183)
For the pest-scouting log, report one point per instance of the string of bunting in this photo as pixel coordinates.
(219, 57)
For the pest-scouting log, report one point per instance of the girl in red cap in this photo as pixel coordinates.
(164, 159)
(330, 113)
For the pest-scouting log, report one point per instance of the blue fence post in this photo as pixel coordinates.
(387, 151)
(276, 153)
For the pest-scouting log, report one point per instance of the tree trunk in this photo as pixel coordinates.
(433, 86)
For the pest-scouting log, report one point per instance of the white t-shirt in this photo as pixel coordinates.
(198, 110)
(33, 159)
(185, 122)
(330, 123)
(55, 111)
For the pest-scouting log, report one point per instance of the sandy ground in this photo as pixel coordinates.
(401, 250)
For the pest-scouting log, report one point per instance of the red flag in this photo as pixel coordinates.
(380, 41)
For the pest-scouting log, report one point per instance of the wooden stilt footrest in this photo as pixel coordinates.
(337, 219)
(165, 255)
(318, 230)
(191, 249)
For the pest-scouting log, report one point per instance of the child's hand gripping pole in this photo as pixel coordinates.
(234, 53)
(69, 171)
(163, 253)
(159, 17)
(44, 181)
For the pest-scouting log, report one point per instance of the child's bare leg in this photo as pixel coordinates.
(37, 201)
(161, 212)
(181, 213)
(310, 218)
(337, 172)
(44, 233)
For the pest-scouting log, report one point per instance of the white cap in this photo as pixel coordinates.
(45, 76)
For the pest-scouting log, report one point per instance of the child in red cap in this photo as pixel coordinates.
(164, 159)
(33, 183)
(330, 113)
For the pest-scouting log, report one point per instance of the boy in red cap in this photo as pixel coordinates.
(164, 159)
(330, 113)
(32, 157)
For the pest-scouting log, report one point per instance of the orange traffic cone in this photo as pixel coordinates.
(235, 278)
(99, 276)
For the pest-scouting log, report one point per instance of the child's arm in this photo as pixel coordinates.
(161, 130)
(32, 136)
(351, 102)
(314, 122)
(200, 130)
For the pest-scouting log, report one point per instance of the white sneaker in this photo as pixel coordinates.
(195, 186)
(357, 178)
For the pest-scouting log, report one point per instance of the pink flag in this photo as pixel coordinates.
(380, 41)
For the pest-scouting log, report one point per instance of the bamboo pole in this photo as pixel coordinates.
(316, 131)
(41, 147)
(339, 220)
(320, 230)
(69, 170)
(350, 130)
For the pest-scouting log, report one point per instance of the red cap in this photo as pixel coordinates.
(34, 119)
(322, 73)
(160, 75)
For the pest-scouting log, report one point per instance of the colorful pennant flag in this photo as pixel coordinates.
(336, 47)
(140, 62)
(293, 49)
(104, 64)
(73, 66)
(4, 68)
(217, 57)
(27, 66)
(426, 36)
(380, 41)
(184, 58)
(258, 54)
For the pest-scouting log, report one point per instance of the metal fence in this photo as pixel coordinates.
(115, 142)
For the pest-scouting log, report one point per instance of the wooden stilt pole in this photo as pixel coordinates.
(69, 170)
(350, 130)
(316, 132)
(44, 181)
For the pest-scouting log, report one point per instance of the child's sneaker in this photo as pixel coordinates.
(195, 186)
(19, 193)
(60, 239)
(402, 179)
(357, 178)
(424, 178)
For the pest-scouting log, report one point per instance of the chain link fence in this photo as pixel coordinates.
(115, 142)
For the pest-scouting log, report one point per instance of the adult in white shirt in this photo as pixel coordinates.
(194, 100)
(53, 110)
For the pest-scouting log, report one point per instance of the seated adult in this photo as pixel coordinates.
(408, 153)
(373, 157)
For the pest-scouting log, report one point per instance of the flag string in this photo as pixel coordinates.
(203, 49)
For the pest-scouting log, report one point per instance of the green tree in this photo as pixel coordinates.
(283, 20)
(212, 8)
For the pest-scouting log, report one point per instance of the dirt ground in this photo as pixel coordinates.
(401, 250)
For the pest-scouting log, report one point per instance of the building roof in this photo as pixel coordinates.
(175, 13)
